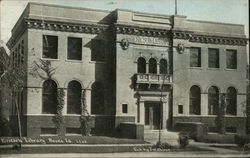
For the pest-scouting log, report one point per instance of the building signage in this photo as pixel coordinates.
(144, 40)
(150, 40)
(47, 140)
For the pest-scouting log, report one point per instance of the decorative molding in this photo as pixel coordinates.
(198, 38)
(141, 31)
(180, 48)
(124, 44)
(56, 26)
(67, 27)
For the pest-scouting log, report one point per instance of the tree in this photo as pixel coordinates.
(15, 76)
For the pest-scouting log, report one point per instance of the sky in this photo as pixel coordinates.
(226, 11)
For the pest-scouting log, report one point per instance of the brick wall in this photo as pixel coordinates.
(100, 124)
(238, 122)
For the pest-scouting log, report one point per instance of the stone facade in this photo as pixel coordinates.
(150, 97)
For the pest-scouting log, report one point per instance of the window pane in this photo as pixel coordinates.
(50, 45)
(213, 58)
(231, 101)
(141, 65)
(74, 98)
(213, 100)
(195, 100)
(49, 97)
(152, 66)
(74, 48)
(97, 50)
(231, 59)
(195, 57)
(124, 108)
(163, 66)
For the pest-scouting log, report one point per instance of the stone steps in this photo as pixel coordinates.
(152, 136)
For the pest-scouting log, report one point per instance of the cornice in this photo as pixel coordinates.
(90, 28)
(64, 26)
(211, 39)
(141, 31)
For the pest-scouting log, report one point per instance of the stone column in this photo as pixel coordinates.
(142, 112)
(88, 99)
(147, 67)
(164, 113)
(158, 68)
(204, 104)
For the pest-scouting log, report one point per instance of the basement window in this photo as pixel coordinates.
(73, 131)
(48, 131)
(231, 130)
(50, 47)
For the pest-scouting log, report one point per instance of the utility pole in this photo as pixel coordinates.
(175, 7)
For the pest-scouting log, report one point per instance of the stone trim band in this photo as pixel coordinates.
(198, 38)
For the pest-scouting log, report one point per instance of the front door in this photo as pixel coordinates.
(152, 115)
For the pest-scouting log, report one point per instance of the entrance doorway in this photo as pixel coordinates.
(152, 115)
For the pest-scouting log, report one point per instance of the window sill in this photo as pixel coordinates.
(48, 114)
(97, 62)
(50, 59)
(197, 68)
(73, 114)
(72, 134)
(213, 68)
(226, 69)
(73, 61)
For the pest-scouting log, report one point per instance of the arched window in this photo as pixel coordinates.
(163, 66)
(97, 98)
(49, 97)
(152, 66)
(231, 101)
(141, 65)
(213, 100)
(74, 98)
(195, 100)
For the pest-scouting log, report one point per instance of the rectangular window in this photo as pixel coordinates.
(22, 52)
(19, 54)
(180, 109)
(50, 47)
(16, 54)
(13, 58)
(231, 59)
(195, 57)
(48, 131)
(74, 48)
(231, 129)
(213, 58)
(124, 108)
(97, 50)
(73, 131)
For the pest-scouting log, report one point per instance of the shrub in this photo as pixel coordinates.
(183, 139)
(5, 129)
(162, 145)
(241, 140)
